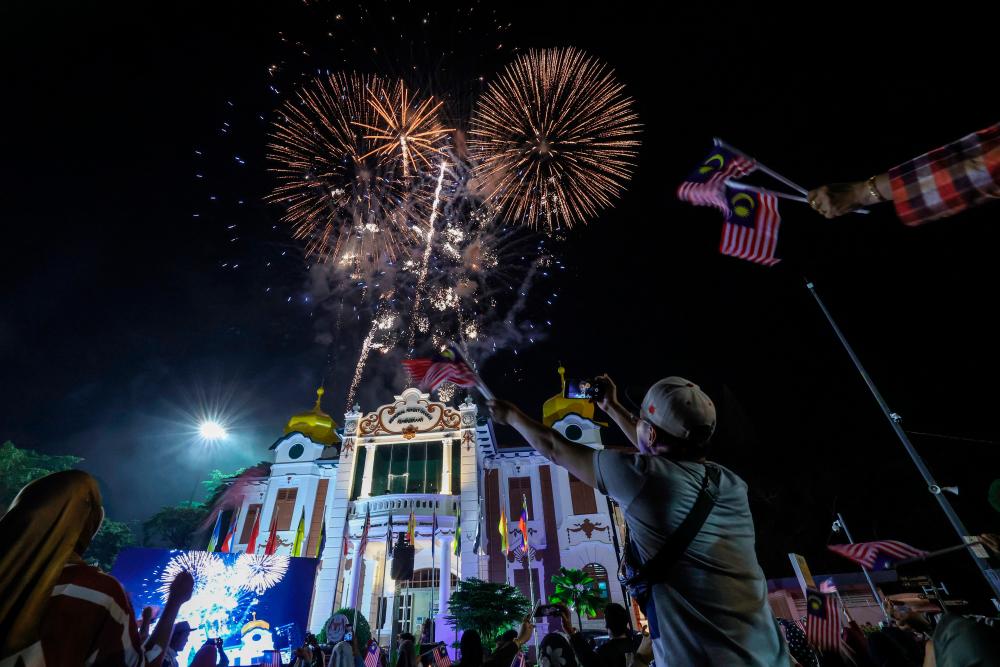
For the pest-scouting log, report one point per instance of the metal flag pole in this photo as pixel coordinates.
(531, 579)
(841, 524)
(896, 422)
(383, 604)
(772, 173)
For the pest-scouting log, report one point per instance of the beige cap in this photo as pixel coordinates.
(680, 408)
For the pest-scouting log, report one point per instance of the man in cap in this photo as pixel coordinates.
(707, 603)
(178, 642)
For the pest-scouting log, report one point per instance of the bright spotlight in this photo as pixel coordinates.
(211, 430)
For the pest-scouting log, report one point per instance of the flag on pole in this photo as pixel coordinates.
(300, 534)
(823, 620)
(434, 531)
(364, 532)
(519, 660)
(706, 184)
(446, 366)
(441, 658)
(214, 541)
(254, 534)
(388, 537)
(373, 654)
(322, 539)
(882, 555)
(750, 230)
(457, 550)
(411, 530)
(272, 535)
(230, 540)
(504, 546)
(523, 523)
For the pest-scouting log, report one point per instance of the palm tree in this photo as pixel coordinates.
(576, 589)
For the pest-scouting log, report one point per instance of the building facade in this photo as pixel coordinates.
(442, 464)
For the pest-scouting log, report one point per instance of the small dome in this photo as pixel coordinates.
(559, 406)
(315, 424)
(254, 625)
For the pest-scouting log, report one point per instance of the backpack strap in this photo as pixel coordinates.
(656, 569)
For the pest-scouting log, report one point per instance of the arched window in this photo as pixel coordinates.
(600, 576)
(427, 577)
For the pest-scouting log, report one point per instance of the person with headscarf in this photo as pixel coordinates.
(471, 646)
(54, 608)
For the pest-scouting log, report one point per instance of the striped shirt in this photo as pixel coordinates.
(948, 179)
(89, 621)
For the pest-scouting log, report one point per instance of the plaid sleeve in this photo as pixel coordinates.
(948, 179)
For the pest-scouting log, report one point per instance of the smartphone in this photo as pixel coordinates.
(348, 636)
(544, 610)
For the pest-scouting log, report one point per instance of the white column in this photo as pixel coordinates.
(446, 446)
(366, 481)
(354, 590)
(441, 627)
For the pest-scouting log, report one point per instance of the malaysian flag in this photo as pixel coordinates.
(519, 660)
(706, 185)
(750, 231)
(447, 366)
(882, 555)
(373, 654)
(823, 620)
(441, 658)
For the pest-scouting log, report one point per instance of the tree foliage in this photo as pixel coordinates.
(488, 608)
(577, 590)
(20, 466)
(109, 540)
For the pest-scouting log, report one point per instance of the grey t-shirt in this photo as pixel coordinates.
(713, 609)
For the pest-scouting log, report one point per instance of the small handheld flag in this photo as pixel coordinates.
(373, 654)
(881, 555)
(751, 226)
(705, 186)
(441, 658)
(822, 620)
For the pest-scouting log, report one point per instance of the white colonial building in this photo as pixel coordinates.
(415, 455)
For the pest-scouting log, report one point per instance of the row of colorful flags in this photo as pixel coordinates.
(228, 543)
(522, 524)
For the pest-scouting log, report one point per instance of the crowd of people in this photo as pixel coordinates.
(689, 558)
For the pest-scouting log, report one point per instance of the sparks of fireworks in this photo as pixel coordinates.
(366, 347)
(554, 139)
(425, 262)
(348, 200)
(405, 129)
(202, 565)
(259, 572)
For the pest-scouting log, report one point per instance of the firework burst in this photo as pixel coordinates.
(554, 139)
(347, 194)
(203, 566)
(407, 130)
(259, 572)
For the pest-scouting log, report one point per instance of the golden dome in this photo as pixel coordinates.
(315, 424)
(559, 406)
(254, 624)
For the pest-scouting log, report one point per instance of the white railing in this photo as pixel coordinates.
(404, 503)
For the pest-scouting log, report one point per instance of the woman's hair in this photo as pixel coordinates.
(471, 646)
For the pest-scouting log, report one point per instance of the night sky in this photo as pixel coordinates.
(121, 312)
